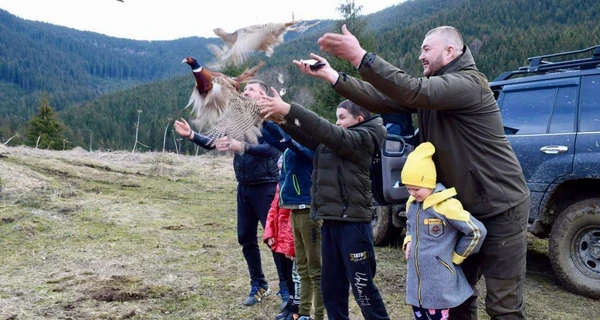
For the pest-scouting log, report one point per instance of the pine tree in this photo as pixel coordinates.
(44, 130)
(327, 99)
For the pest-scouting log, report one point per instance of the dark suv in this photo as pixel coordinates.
(551, 114)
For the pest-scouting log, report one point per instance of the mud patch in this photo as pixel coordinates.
(124, 288)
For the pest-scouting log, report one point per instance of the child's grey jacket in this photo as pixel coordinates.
(441, 235)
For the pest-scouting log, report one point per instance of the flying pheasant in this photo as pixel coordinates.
(242, 42)
(218, 106)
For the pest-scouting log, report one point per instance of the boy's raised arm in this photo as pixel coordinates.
(343, 142)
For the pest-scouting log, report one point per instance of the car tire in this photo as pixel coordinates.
(574, 248)
(384, 230)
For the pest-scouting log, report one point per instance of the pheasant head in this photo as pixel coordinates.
(202, 76)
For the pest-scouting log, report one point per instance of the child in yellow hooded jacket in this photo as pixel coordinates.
(440, 234)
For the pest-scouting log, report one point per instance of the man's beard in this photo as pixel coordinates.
(434, 66)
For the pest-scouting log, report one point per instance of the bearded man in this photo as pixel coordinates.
(458, 114)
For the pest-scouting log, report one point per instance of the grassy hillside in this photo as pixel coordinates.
(93, 235)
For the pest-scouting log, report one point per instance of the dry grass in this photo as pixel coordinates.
(152, 236)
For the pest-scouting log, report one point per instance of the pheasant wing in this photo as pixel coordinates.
(207, 110)
(259, 37)
(241, 121)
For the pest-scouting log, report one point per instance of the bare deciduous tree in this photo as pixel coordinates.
(178, 143)
(7, 141)
(175, 141)
(169, 119)
(304, 97)
(475, 46)
(137, 127)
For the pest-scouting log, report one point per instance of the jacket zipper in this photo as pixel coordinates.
(445, 264)
(416, 258)
(283, 170)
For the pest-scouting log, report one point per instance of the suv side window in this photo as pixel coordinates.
(590, 104)
(527, 111)
(563, 115)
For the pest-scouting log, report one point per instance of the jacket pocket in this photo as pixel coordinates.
(446, 265)
(365, 235)
(296, 184)
(475, 182)
(435, 227)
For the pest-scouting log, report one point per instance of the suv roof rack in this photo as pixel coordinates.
(538, 64)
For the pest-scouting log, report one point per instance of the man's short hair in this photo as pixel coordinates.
(450, 34)
(261, 84)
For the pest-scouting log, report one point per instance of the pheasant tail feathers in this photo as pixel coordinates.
(248, 74)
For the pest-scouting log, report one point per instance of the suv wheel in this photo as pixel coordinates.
(574, 247)
(384, 231)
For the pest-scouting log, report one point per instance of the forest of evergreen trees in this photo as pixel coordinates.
(97, 83)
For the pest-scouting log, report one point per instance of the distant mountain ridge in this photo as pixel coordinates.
(87, 75)
(76, 66)
(38, 56)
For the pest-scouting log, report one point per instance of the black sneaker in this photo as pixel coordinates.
(285, 298)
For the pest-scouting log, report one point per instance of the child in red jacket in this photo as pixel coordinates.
(278, 230)
(279, 237)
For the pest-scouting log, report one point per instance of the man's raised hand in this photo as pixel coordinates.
(273, 108)
(344, 46)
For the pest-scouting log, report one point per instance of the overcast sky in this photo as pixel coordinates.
(173, 19)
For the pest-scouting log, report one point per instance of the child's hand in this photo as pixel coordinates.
(270, 242)
(290, 257)
(183, 128)
(407, 250)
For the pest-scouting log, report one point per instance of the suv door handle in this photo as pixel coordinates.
(554, 149)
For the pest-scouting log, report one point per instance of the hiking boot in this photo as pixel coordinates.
(256, 294)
